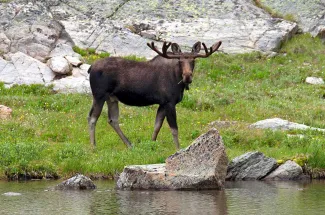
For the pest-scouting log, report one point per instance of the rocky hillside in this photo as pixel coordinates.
(123, 27)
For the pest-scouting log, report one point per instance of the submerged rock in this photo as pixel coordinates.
(250, 166)
(77, 182)
(202, 165)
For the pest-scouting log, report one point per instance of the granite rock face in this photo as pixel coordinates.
(250, 166)
(310, 15)
(202, 165)
(30, 28)
(77, 182)
(123, 27)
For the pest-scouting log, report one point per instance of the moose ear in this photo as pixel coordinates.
(176, 49)
(196, 47)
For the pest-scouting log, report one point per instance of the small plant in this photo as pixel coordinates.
(90, 54)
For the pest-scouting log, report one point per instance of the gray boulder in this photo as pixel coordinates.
(202, 165)
(72, 84)
(23, 69)
(290, 170)
(250, 166)
(60, 65)
(308, 14)
(77, 182)
(280, 124)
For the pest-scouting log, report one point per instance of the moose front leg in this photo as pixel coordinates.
(170, 110)
(113, 115)
(160, 117)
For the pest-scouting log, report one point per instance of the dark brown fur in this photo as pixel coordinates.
(158, 81)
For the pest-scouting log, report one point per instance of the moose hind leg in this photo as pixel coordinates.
(159, 121)
(172, 121)
(113, 115)
(94, 113)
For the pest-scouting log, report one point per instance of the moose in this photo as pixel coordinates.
(161, 81)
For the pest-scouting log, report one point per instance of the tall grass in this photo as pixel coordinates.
(48, 132)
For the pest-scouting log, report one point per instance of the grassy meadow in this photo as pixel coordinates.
(48, 133)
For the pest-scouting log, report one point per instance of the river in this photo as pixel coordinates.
(254, 197)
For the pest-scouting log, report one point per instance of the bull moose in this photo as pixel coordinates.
(161, 81)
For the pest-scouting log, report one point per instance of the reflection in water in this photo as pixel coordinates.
(238, 198)
(172, 202)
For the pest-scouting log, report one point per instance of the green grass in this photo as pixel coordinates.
(89, 54)
(289, 17)
(48, 132)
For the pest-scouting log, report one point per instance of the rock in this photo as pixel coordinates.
(60, 65)
(310, 16)
(5, 112)
(23, 69)
(202, 165)
(81, 71)
(250, 166)
(72, 84)
(63, 50)
(124, 27)
(31, 28)
(12, 194)
(77, 182)
(280, 124)
(4, 44)
(74, 61)
(314, 80)
(84, 70)
(290, 170)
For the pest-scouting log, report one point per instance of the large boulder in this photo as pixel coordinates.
(202, 165)
(290, 170)
(77, 182)
(23, 69)
(250, 166)
(72, 84)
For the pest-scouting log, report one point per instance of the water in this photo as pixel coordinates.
(37, 197)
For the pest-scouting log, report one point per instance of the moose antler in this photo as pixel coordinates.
(213, 49)
(164, 50)
(169, 55)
